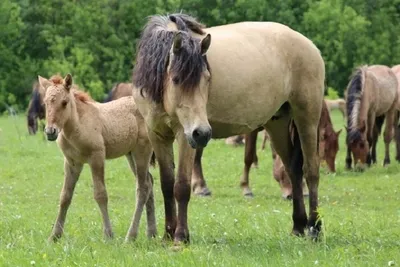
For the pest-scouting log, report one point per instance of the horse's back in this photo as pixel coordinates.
(386, 86)
(265, 63)
(396, 71)
(121, 120)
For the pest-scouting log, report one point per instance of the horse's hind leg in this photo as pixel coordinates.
(249, 158)
(96, 163)
(199, 185)
(141, 158)
(291, 156)
(72, 171)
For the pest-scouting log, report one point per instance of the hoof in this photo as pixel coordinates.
(287, 197)
(254, 165)
(386, 162)
(202, 192)
(299, 233)
(54, 238)
(247, 193)
(313, 233)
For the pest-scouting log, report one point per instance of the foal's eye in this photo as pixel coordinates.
(64, 103)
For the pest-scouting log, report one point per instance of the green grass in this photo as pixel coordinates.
(360, 213)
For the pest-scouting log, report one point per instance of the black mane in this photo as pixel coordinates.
(354, 94)
(149, 74)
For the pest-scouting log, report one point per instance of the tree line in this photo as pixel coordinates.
(95, 41)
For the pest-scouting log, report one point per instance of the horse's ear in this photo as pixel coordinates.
(205, 44)
(338, 132)
(68, 82)
(44, 82)
(177, 45)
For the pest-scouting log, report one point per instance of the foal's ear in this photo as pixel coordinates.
(205, 44)
(177, 45)
(68, 82)
(44, 82)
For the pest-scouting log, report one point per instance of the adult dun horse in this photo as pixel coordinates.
(36, 108)
(371, 96)
(90, 132)
(250, 72)
(328, 148)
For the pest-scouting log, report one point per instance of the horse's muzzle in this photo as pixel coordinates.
(200, 137)
(51, 133)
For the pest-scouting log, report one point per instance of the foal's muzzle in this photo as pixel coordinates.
(51, 133)
(200, 137)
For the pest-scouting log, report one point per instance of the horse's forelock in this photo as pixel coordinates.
(154, 46)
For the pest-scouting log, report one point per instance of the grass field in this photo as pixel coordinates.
(360, 213)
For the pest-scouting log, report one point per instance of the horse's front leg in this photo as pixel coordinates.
(199, 185)
(389, 133)
(72, 170)
(96, 162)
(348, 158)
(164, 152)
(182, 187)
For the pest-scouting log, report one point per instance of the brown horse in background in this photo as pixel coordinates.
(187, 85)
(119, 90)
(396, 70)
(36, 108)
(90, 132)
(371, 96)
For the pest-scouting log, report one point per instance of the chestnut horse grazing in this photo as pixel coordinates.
(396, 70)
(186, 85)
(119, 90)
(36, 108)
(371, 97)
(339, 104)
(90, 132)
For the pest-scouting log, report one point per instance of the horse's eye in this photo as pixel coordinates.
(64, 103)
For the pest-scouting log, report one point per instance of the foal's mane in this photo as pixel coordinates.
(355, 90)
(153, 57)
(78, 94)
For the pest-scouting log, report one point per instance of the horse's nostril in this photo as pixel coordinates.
(196, 133)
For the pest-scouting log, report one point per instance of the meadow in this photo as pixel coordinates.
(360, 212)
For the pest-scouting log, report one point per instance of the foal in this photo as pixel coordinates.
(90, 132)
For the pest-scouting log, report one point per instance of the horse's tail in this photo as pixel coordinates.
(355, 90)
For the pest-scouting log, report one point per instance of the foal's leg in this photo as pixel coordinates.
(264, 140)
(249, 157)
(163, 150)
(388, 133)
(199, 185)
(96, 163)
(141, 156)
(150, 210)
(72, 170)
